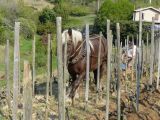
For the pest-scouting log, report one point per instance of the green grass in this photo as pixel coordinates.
(79, 22)
(25, 54)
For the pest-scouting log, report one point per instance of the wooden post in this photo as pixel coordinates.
(27, 92)
(61, 105)
(126, 77)
(147, 53)
(158, 66)
(98, 68)
(139, 62)
(132, 72)
(51, 79)
(16, 70)
(7, 71)
(118, 75)
(152, 52)
(33, 64)
(98, 5)
(87, 66)
(48, 75)
(65, 66)
(108, 69)
(109, 45)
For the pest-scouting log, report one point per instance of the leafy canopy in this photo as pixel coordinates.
(120, 10)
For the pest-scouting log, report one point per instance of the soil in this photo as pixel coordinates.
(149, 104)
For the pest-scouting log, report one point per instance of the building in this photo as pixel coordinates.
(147, 14)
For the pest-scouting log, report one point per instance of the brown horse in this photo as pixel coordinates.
(76, 61)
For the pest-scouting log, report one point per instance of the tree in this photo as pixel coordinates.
(117, 11)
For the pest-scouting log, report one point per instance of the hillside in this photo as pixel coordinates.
(38, 4)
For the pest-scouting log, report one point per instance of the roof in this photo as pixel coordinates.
(142, 9)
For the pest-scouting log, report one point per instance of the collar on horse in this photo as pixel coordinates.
(80, 54)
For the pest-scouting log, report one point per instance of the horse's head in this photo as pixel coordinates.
(74, 35)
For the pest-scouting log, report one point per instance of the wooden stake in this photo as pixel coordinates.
(109, 45)
(87, 66)
(27, 93)
(48, 76)
(61, 105)
(158, 66)
(33, 64)
(98, 68)
(16, 70)
(152, 52)
(7, 71)
(118, 75)
(139, 62)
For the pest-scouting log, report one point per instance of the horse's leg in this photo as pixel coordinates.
(73, 78)
(75, 85)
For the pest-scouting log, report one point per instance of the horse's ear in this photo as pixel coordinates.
(70, 32)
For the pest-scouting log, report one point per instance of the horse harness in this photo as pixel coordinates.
(81, 53)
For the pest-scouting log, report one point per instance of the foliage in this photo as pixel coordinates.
(145, 3)
(120, 10)
(28, 28)
(48, 27)
(116, 12)
(47, 15)
(41, 56)
(11, 11)
(62, 10)
(79, 11)
(126, 28)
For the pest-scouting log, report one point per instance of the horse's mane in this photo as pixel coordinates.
(76, 36)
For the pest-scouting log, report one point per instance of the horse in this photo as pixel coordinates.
(69, 34)
(76, 59)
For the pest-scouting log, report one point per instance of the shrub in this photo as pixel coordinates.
(79, 11)
(47, 15)
(28, 28)
(126, 28)
(48, 27)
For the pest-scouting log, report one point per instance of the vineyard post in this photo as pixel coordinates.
(158, 65)
(139, 69)
(118, 74)
(33, 64)
(152, 52)
(16, 70)
(27, 92)
(98, 68)
(51, 79)
(109, 45)
(48, 76)
(65, 66)
(7, 71)
(87, 65)
(132, 71)
(61, 105)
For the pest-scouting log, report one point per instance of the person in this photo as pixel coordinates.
(131, 54)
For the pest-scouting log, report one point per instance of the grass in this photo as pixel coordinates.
(25, 54)
(80, 22)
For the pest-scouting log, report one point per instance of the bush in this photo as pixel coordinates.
(28, 28)
(48, 27)
(47, 15)
(126, 28)
(79, 11)
(63, 10)
(41, 53)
